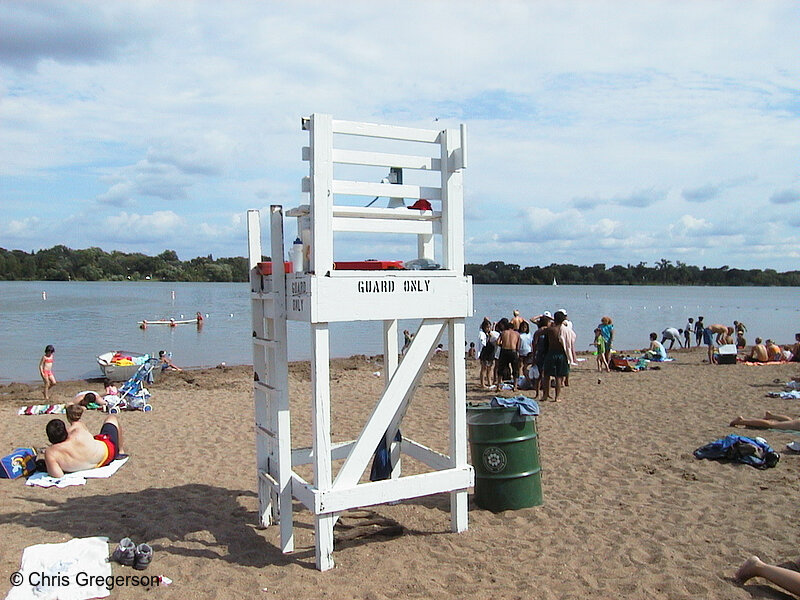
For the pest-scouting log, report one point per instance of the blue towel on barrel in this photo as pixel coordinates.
(527, 406)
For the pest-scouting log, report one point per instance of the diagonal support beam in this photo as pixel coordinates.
(405, 378)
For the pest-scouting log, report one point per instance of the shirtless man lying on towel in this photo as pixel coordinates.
(76, 449)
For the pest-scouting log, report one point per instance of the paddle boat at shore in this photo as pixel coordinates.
(120, 365)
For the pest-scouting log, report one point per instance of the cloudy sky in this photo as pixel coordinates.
(612, 132)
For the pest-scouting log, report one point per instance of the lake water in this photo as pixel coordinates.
(84, 319)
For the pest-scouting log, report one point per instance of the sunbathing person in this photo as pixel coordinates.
(780, 576)
(758, 353)
(770, 421)
(76, 449)
(87, 398)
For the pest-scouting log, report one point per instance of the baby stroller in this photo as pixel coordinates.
(132, 394)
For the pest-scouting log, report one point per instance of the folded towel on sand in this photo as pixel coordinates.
(71, 563)
(42, 479)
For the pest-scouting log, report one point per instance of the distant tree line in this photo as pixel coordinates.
(663, 272)
(60, 263)
(93, 264)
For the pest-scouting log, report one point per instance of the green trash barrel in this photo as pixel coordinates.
(505, 455)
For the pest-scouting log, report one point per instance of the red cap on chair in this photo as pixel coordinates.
(421, 204)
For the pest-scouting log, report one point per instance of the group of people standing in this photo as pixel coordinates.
(531, 355)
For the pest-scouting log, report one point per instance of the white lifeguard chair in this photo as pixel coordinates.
(320, 294)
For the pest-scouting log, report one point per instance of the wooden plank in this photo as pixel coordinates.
(392, 490)
(389, 190)
(390, 361)
(269, 479)
(259, 341)
(265, 430)
(304, 456)
(458, 420)
(253, 238)
(267, 509)
(321, 193)
(370, 212)
(381, 159)
(360, 225)
(266, 297)
(381, 295)
(321, 439)
(391, 132)
(452, 207)
(425, 455)
(279, 372)
(266, 388)
(304, 492)
(408, 372)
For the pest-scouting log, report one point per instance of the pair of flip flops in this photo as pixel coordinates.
(129, 554)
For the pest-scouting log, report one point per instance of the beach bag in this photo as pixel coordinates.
(21, 462)
(382, 462)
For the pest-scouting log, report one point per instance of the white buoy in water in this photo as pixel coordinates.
(44, 295)
(173, 294)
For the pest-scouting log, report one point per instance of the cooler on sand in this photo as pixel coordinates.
(727, 354)
(505, 454)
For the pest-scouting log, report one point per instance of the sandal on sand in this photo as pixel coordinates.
(125, 554)
(144, 554)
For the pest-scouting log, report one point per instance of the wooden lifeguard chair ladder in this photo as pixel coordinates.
(320, 294)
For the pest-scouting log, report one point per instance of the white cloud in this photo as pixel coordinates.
(160, 225)
(688, 225)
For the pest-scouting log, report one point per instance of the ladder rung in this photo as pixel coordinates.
(266, 343)
(265, 387)
(264, 296)
(268, 432)
(268, 479)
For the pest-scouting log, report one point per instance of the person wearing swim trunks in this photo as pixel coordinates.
(509, 357)
(708, 340)
(758, 353)
(75, 449)
(46, 371)
(556, 363)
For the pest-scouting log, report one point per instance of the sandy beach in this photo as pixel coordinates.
(628, 511)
